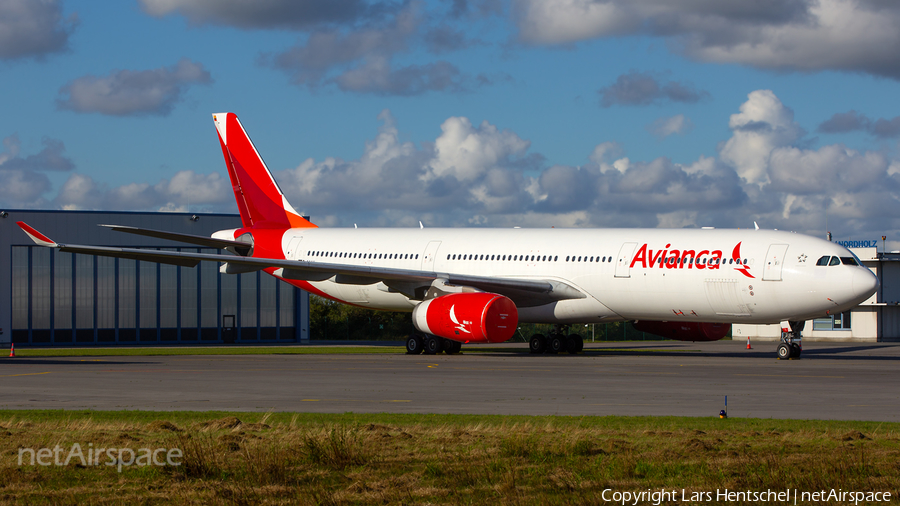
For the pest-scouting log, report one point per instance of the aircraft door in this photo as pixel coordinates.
(774, 262)
(430, 255)
(623, 261)
(293, 249)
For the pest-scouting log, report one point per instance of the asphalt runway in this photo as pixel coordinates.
(846, 381)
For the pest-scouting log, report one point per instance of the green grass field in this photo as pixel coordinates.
(297, 458)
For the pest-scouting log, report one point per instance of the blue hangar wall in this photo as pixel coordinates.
(53, 298)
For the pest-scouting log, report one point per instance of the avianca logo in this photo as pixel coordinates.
(736, 255)
(459, 326)
(687, 259)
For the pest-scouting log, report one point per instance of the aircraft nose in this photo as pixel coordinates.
(865, 283)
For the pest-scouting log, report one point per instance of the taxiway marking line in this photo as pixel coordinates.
(788, 376)
(355, 400)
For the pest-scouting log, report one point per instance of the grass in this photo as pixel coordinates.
(296, 458)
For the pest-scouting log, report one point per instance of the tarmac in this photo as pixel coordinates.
(843, 381)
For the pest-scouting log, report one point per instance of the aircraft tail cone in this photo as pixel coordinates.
(12, 350)
(748, 343)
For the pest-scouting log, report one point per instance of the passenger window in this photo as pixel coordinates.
(835, 261)
(822, 261)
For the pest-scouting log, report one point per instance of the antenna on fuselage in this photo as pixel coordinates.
(755, 225)
(420, 224)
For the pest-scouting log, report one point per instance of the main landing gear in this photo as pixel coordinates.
(790, 346)
(559, 341)
(431, 345)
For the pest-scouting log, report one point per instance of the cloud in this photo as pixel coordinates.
(641, 88)
(763, 124)
(793, 35)
(22, 178)
(475, 8)
(51, 157)
(266, 14)
(33, 29)
(852, 120)
(186, 190)
(133, 93)
(444, 39)
(664, 127)
(478, 168)
(361, 60)
(377, 76)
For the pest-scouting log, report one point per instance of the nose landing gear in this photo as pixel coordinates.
(791, 346)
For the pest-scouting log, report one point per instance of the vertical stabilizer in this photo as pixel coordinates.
(259, 199)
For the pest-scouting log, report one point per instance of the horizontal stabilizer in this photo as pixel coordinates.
(36, 236)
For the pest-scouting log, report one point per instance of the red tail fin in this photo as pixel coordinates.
(259, 199)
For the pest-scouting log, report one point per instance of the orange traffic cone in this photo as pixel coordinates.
(12, 349)
(748, 343)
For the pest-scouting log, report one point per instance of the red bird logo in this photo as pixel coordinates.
(743, 269)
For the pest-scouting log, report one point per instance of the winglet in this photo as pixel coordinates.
(36, 236)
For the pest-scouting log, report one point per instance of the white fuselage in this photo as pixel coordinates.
(752, 276)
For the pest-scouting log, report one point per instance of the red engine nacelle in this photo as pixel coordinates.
(468, 317)
(685, 331)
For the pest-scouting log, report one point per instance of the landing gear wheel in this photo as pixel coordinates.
(574, 344)
(795, 350)
(414, 345)
(538, 344)
(452, 347)
(557, 344)
(784, 351)
(433, 345)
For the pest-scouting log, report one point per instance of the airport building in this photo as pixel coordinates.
(53, 298)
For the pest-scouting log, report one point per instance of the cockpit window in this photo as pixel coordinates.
(823, 260)
(835, 261)
(849, 261)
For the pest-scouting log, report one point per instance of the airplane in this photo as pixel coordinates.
(476, 285)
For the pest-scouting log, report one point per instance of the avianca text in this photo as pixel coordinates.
(677, 259)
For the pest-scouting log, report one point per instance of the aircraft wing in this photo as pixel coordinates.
(410, 282)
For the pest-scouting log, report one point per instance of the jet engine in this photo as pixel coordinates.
(685, 331)
(468, 317)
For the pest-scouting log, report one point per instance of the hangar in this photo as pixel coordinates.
(53, 298)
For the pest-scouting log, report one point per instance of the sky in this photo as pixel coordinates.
(497, 113)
